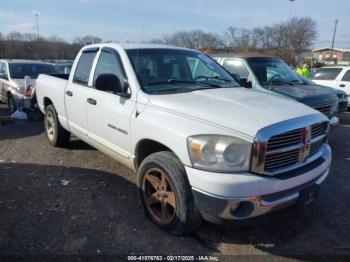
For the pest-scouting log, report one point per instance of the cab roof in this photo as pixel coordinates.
(129, 46)
(239, 55)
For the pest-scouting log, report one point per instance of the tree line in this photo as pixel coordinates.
(28, 46)
(286, 40)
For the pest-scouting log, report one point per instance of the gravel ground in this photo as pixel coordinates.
(98, 210)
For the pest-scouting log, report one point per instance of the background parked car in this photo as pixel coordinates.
(273, 75)
(64, 68)
(12, 86)
(343, 101)
(337, 77)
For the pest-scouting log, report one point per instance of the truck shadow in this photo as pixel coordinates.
(89, 212)
(20, 129)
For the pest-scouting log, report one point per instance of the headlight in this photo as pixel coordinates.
(219, 153)
(342, 98)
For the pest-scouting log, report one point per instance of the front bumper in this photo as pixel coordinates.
(222, 197)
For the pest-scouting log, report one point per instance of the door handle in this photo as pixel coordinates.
(92, 101)
(341, 85)
(69, 93)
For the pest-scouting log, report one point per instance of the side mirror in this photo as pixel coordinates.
(4, 76)
(111, 83)
(244, 82)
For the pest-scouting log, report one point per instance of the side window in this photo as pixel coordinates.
(109, 63)
(235, 66)
(346, 77)
(327, 73)
(83, 69)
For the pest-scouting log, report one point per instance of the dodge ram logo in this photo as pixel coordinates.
(306, 140)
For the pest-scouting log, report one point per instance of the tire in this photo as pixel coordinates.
(55, 133)
(11, 103)
(174, 200)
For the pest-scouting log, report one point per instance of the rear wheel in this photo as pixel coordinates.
(166, 194)
(56, 134)
(11, 103)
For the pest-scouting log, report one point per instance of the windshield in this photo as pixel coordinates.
(272, 71)
(172, 70)
(18, 70)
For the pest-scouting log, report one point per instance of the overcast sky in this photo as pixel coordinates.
(139, 20)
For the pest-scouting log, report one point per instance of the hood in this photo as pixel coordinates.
(335, 91)
(306, 94)
(240, 109)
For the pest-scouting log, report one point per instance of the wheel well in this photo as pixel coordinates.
(147, 147)
(47, 102)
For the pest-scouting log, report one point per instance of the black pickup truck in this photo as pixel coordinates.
(273, 75)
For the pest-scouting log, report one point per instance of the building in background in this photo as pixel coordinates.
(340, 55)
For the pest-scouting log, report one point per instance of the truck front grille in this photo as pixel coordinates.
(285, 139)
(326, 109)
(318, 129)
(279, 160)
(289, 149)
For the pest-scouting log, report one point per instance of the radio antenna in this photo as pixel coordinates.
(136, 66)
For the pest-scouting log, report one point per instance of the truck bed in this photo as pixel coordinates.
(52, 88)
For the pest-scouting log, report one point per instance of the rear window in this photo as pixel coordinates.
(83, 69)
(327, 73)
(18, 70)
(235, 66)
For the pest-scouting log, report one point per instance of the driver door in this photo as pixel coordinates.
(108, 114)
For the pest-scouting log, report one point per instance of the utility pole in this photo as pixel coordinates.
(37, 23)
(290, 8)
(290, 25)
(335, 30)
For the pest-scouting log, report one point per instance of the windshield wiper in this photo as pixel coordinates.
(209, 84)
(172, 81)
(170, 90)
(214, 77)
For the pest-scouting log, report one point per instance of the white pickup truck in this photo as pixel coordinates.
(202, 146)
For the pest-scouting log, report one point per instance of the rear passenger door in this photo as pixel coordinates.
(77, 91)
(108, 114)
(344, 83)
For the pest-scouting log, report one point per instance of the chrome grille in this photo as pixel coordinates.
(289, 149)
(285, 139)
(315, 147)
(282, 159)
(318, 129)
(325, 109)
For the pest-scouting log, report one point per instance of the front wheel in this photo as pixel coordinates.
(56, 134)
(166, 194)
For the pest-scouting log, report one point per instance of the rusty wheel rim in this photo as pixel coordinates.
(159, 196)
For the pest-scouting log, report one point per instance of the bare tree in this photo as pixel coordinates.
(87, 40)
(196, 39)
